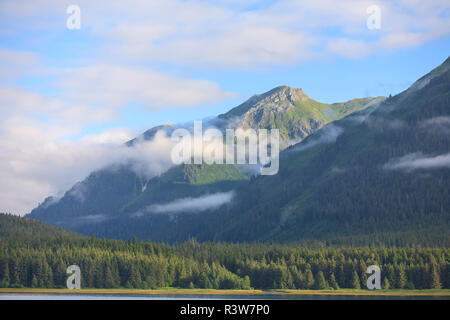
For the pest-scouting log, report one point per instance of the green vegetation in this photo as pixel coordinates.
(342, 192)
(339, 186)
(118, 193)
(41, 263)
(292, 112)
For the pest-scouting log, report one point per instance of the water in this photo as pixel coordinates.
(267, 296)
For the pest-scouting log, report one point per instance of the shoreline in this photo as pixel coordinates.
(174, 291)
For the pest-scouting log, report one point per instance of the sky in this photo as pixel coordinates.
(69, 96)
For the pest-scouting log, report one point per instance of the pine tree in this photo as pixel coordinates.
(34, 282)
(135, 276)
(355, 281)
(391, 275)
(333, 282)
(5, 274)
(246, 283)
(386, 284)
(309, 279)
(321, 283)
(109, 279)
(401, 277)
(362, 271)
(435, 278)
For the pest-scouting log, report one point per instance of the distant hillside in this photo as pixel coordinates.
(384, 170)
(378, 176)
(15, 227)
(115, 195)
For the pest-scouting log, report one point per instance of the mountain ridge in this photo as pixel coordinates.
(127, 189)
(332, 184)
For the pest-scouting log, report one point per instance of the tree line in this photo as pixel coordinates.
(145, 265)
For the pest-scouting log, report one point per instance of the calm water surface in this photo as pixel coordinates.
(267, 296)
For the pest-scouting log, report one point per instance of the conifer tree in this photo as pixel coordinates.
(355, 281)
(386, 285)
(435, 278)
(5, 274)
(333, 282)
(401, 279)
(309, 279)
(321, 283)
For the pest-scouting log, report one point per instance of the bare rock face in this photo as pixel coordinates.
(263, 110)
(291, 111)
(279, 99)
(283, 94)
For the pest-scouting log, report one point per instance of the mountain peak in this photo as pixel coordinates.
(151, 133)
(281, 94)
(286, 92)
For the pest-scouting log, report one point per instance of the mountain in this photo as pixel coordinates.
(379, 175)
(292, 112)
(151, 133)
(288, 109)
(116, 194)
(90, 201)
(382, 174)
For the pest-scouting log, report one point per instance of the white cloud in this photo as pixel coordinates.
(115, 86)
(114, 136)
(284, 33)
(245, 35)
(94, 218)
(438, 125)
(33, 171)
(206, 202)
(349, 48)
(327, 134)
(38, 158)
(15, 63)
(437, 121)
(417, 160)
(132, 41)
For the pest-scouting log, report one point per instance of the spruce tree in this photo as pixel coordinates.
(5, 274)
(401, 279)
(34, 282)
(321, 283)
(355, 281)
(435, 278)
(333, 282)
(386, 285)
(309, 279)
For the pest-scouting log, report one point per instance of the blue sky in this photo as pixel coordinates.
(324, 75)
(136, 64)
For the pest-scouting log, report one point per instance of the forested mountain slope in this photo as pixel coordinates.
(378, 176)
(382, 170)
(110, 199)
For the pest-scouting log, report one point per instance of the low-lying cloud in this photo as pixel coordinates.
(203, 203)
(437, 125)
(417, 160)
(327, 134)
(94, 218)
